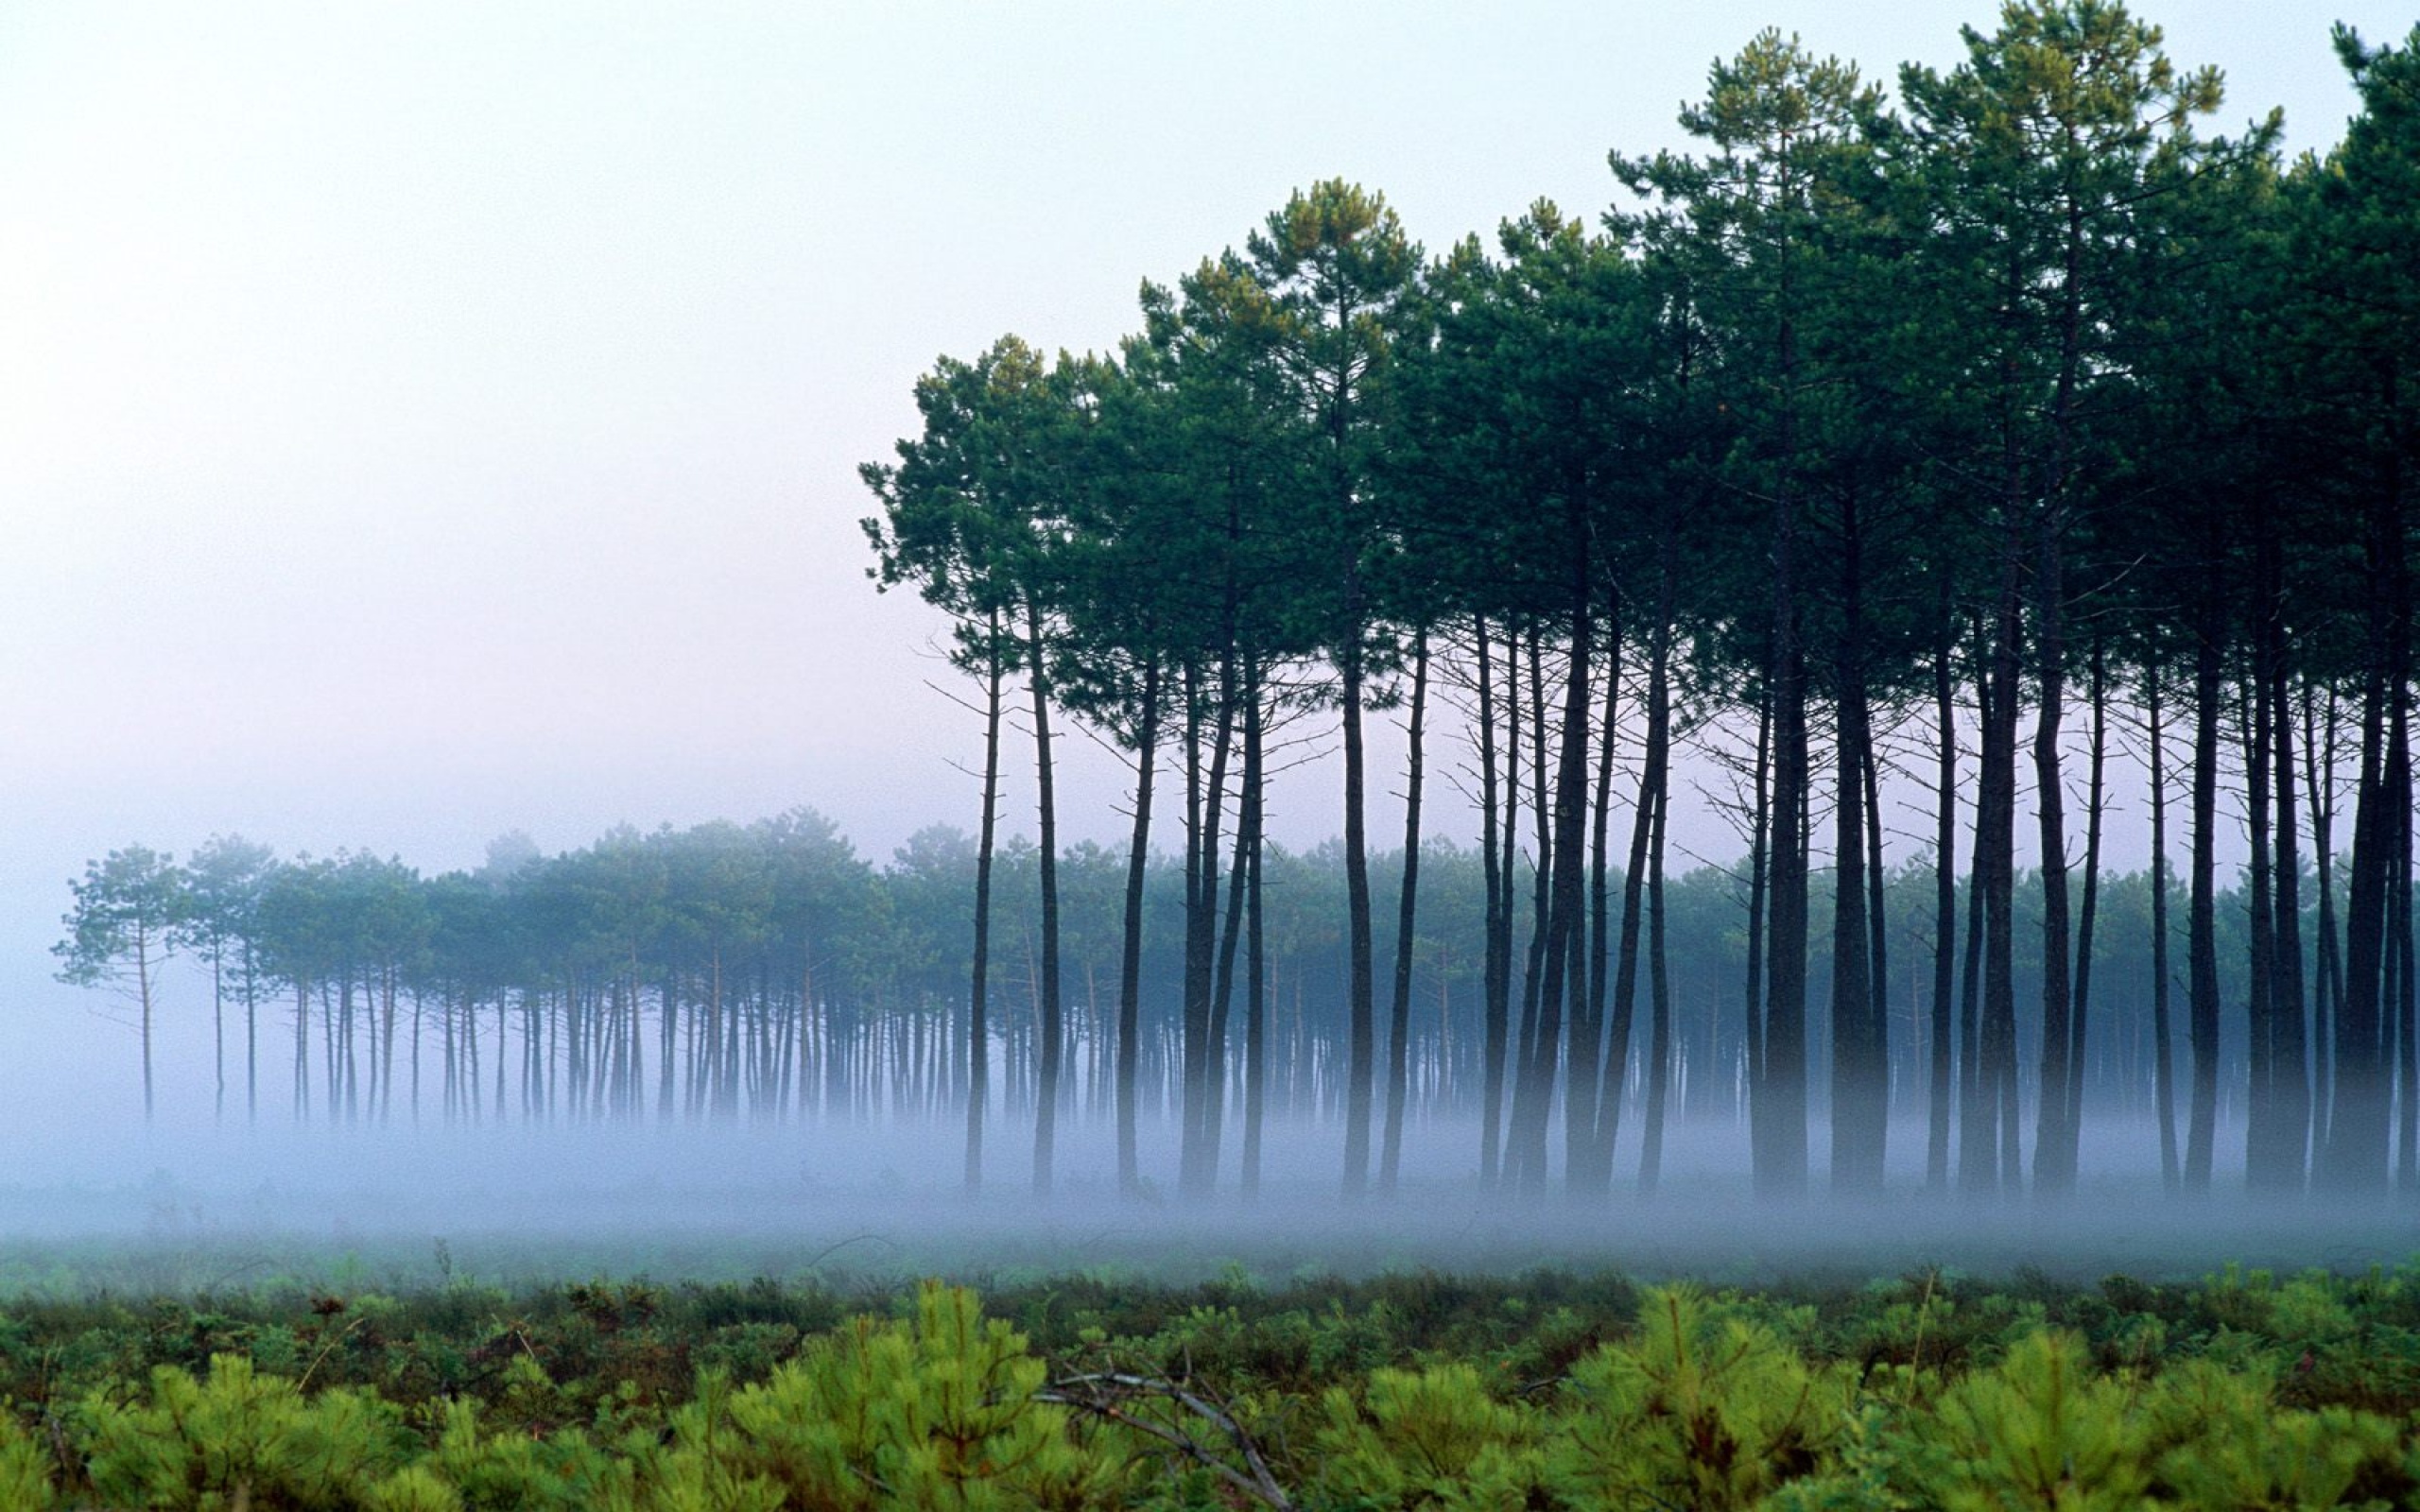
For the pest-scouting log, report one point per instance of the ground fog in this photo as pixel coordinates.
(204, 1209)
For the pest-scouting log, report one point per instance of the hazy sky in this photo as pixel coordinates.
(422, 420)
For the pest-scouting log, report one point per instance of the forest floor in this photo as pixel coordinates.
(61, 1241)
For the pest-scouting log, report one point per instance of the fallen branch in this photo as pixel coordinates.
(1105, 1396)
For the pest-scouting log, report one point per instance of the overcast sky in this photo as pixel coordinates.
(419, 422)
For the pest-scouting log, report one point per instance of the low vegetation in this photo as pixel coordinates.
(1403, 1391)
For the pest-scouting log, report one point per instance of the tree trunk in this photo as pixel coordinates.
(2163, 1034)
(1256, 989)
(1759, 889)
(1399, 1016)
(1569, 852)
(1361, 988)
(1206, 810)
(1129, 969)
(2088, 914)
(1046, 1124)
(1861, 1087)
(2318, 764)
(2054, 1145)
(2288, 1068)
(1781, 1170)
(1659, 976)
(1601, 1154)
(1214, 1078)
(2202, 949)
(1497, 969)
(1944, 913)
(1525, 1056)
(1584, 1067)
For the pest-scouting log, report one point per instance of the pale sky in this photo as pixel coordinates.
(424, 420)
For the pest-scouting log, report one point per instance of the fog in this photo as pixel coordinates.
(858, 1203)
(199, 1200)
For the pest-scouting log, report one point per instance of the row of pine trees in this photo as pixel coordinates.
(2012, 434)
(768, 973)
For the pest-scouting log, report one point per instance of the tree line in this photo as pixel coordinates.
(766, 971)
(1978, 436)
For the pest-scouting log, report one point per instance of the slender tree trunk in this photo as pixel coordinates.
(1995, 1125)
(1214, 1109)
(1944, 913)
(1046, 1124)
(1567, 850)
(1525, 1058)
(1399, 1016)
(1859, 1077)
(1877, 920)
(1626, 957)
(1642, 908)
(1585, 1070)
(2261, 1134)
(1361, 985)
(1659, 976)
(2088, 914)
(1759, 892)
(1206, 790)
(2319, 762)
(1129, 969)
(303, 1049)
(251, 1042)
(2405, 997)
(2054, 1145)
(219, 1030)
(2288, 1068)
(1600, 1154)
(978, 1029)
(2368, 1018)
(2202, 929)
(2356, 1126)
(1255, 964)
(2163, 1034)
(1496, 969)
(1782, 1172)
(142, 999)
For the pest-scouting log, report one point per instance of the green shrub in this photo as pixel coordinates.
(938, 1411)
(25, 1469)
(1428, 1438)
(1704, 1409)
(2039, 1431)
(2222, 1441)
(237, 1439)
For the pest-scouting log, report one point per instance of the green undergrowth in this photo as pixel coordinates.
(1405, 1391)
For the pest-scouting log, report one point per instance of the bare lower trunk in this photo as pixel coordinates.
(1944, 915)
(2201, 948)
(1046, 1124)
(1399, 1015)
(978, 1031)
(1129, 969)
(2163, 1034)
(1497, 966)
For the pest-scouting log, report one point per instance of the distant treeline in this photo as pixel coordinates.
(2011, 432)
(769, 972)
